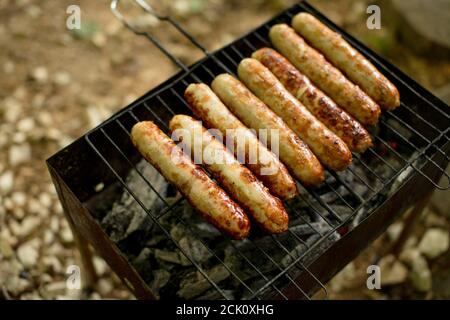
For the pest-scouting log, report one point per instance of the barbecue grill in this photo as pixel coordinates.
(330, 225)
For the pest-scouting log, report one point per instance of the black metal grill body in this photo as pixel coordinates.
(416, 135)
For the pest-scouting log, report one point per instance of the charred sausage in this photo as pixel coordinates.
(208, 199)
(263, 163)
(294, 153)
(320, 105)
(352, 63)
(324, 75)
(237, 180)
(327, 146)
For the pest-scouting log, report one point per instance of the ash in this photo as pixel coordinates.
(180, 256)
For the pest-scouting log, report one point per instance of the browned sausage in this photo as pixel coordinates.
(208, 199)
(324, 75)
(337, 120)
(294, 153)
(265, 165)
(327, 146)
(237, 180)
(352, 63)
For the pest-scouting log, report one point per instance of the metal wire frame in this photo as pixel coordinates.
(201, 71)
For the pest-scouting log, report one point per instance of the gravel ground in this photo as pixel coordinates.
(56, 84)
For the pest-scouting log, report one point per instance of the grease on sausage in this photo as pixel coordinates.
(337, 120)
(352, 63)
(208, 199)
(327, 146)
(294, 153)
(264, 164)
(324, 75)
(237, 180)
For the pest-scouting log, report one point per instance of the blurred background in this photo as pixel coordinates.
(56, 84)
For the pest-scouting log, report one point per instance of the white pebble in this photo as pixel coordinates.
(57, 208)
(100, 265)
(99, 39)
(8, 67)
(104, 286)
(12, 109)
(99, 187)
(19, 198)
(45, 199)
(28, 226)
(434, 242)
(19, 154)
(34, 206)
(49, 237)
(20, 93)
(19, 137)
(19, 213)
(33, 11)
(64, 141)
(6, 182)
(54, 224)
(28, 254)
(38, 101)
(66, 235)
(44, 118)
(40, 74)
(8, 204)
(59, 286)
(62, 78)
(53, 263)
(53, 134)
(25, 125)
(4, 139)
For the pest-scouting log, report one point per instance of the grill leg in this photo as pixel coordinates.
(88, 272)
(410, 223)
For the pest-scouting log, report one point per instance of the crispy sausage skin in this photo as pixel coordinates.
(208, 199)
(320, 105)
(324, 75)
(294, 153)
(352, 63)
(237, 180)
(264, 164)
(327, 146)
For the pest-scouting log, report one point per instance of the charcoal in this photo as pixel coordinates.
(194, 249)
(172, 257)
(161, 278)
(304, 229)
(206, 231)
(256, 286)
(342, 211)
(213, 294)
(143, 265)
(196, 283)
(127, 216)
(116, 222)
(155, 240)
(294, 254)
(177, 232)
(170, 273)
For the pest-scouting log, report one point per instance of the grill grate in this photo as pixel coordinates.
(405, 140)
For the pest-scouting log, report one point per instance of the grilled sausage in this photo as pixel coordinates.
(328, 147)
(263, 163)
(329, 79)
(294, 153)
(210, 201)
(319, 104)
(352, 63)
(237, 180)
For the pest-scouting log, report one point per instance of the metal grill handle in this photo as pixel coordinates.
(149, 10)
